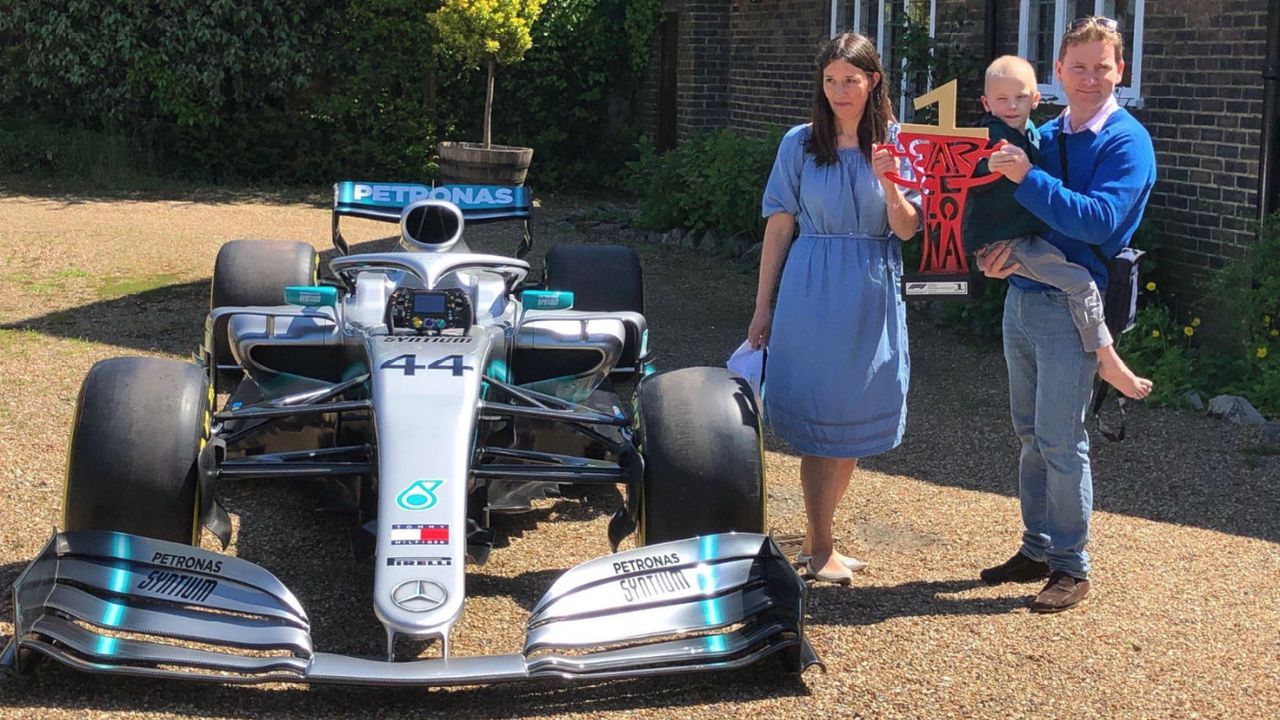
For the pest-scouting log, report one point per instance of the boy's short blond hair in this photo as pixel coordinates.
(1010, 67)
(1091, 29)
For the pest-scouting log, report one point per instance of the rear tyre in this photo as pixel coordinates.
(699, 434)
(602, 277)
(139, 427)
(256, 272)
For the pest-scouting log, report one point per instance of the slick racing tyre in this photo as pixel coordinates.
(605, 278)
(256, 272)
(602, 277)
(699, 434)
(139, 426)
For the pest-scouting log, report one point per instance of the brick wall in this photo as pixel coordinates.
(702, 93)
(771, 76)
(1202, 90)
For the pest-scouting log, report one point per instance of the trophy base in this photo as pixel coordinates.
(940, 286)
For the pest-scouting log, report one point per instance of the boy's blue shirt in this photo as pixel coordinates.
(1112, 173)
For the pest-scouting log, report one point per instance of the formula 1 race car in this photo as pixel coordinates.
(428, 388)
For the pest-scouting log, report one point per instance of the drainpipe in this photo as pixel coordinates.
(989, 29)
(1269, 156)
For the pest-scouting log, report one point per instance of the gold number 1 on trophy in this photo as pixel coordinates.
(945, 97)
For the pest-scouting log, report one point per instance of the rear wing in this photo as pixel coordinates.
(385, 201)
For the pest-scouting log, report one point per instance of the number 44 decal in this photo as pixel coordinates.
(409, 364)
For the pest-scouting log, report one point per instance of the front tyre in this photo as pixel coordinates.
(139, 427)
(699, 433)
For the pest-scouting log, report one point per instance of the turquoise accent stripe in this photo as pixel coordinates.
(112, 615)
(107, 646)
(711, 615)
(122, 548)
(498, 370)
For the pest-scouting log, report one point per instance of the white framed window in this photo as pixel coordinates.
(878, 20)
(1041, 24)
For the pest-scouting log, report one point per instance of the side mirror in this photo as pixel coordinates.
(431, 225)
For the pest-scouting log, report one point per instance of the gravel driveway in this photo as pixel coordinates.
(1184, 619)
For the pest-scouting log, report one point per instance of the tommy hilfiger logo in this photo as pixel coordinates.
(416, 534)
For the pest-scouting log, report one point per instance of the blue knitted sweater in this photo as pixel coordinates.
(1111, 175)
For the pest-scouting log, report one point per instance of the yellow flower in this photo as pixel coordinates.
(1151, 285)
(1195, 322)
(1275, 333)
(1262, 352)
(1188, 331)
(1155, 333)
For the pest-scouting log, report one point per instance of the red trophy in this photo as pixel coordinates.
(942, 160)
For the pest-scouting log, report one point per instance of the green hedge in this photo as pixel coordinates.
(305, 91)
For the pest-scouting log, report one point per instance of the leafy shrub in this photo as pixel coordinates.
(1248, 289)
(713, 182)
(1160, 348)
(655, 180)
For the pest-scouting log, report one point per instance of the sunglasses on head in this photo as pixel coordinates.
(1105, 23)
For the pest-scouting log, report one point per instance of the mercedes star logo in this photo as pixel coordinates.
(419, 595)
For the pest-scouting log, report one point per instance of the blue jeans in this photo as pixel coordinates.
(1050, 382)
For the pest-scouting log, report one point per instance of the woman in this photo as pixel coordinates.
(836, 380)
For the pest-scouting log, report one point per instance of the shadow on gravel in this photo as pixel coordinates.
(168, 319)
(870, 605)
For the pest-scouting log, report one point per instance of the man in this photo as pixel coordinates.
(1097, 169)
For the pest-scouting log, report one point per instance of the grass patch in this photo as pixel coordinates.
(118, 286)
(51, 284)
(10, 339)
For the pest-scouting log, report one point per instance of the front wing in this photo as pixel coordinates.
(123, 604)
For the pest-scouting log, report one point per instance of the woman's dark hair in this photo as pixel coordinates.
(859, 52)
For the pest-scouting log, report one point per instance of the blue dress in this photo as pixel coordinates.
(837, 370)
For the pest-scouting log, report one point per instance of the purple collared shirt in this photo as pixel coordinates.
(1096, 122)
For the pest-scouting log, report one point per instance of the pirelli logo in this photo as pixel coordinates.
(418, 561)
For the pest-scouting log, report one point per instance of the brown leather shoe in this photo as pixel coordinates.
(1018, 568)
(1062, 592)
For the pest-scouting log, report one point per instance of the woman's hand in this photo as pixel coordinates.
(883, 162)
(761, 327)
(993, 261)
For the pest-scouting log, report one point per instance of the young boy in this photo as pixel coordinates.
(993, 217)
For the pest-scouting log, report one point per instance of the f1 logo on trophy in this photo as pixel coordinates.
(942, 159)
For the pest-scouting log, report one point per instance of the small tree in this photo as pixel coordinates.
(488, 32)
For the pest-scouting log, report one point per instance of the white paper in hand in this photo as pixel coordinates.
(749, 364)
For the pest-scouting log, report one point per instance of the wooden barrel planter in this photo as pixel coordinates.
(475, 164)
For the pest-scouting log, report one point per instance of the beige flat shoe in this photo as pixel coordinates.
(838, 577)
(854, 564)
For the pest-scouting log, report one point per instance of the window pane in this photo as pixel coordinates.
(867, 21)
(1124, 12)
(1040, 45)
